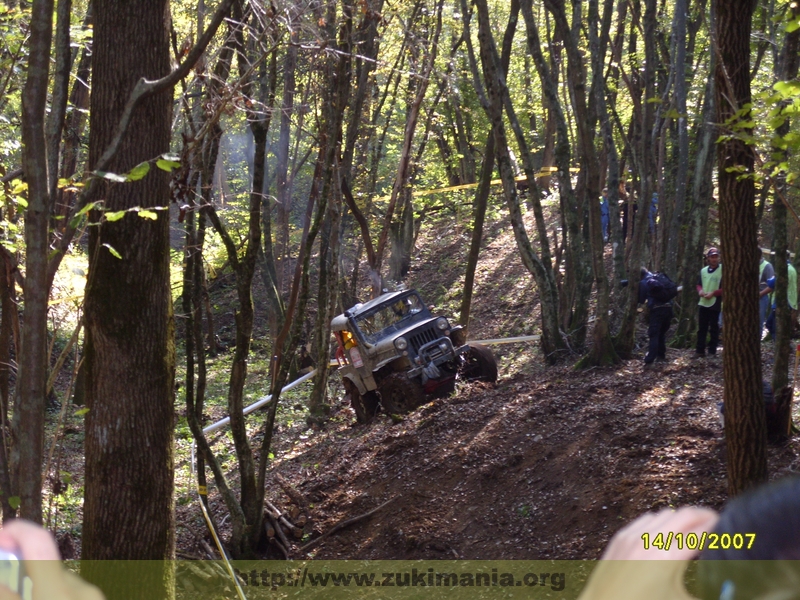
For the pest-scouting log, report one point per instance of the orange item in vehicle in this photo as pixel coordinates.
(349, 340)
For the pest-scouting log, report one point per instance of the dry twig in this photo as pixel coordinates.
(346, 523)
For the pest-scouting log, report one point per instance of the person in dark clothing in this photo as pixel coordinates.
(660, 319)
(709, 288)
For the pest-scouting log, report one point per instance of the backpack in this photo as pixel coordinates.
(661, 288)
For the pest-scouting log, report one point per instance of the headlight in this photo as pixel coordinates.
(442, 323)
(401, 343)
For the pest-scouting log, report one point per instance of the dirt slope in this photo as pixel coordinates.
(545, 467)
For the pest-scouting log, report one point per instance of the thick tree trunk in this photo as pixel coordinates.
(128, 507)
(745, 429)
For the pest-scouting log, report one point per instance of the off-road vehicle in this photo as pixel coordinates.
(393, 352)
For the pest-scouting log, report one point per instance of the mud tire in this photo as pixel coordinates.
(479, 364)
(399, 394)
(364, 405)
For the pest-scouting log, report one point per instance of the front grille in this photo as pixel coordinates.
(420, 338)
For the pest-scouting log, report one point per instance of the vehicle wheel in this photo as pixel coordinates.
(364, 405)
(399, 394)
(479, 364)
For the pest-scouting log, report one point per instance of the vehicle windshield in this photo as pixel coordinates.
(389, 318)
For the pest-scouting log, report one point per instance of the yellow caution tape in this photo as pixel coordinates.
(543, 172)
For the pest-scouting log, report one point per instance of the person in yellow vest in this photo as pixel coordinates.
(765, 272)
(709, 288)
(791, 294)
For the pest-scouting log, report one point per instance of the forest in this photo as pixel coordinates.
(191, 193)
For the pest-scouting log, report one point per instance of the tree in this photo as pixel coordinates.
(602, 351)
(29, 414)
(745, 428)
(786, 70)
(130, 354)
(539, 266)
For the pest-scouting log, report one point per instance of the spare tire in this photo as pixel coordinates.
(479, 364)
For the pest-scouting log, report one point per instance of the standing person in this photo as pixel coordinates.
(659, 301)
(604, 214)
(791, 295)
(709, 288)
(765, 272)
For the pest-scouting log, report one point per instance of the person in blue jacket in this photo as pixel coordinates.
(604, 219)
(660, 319)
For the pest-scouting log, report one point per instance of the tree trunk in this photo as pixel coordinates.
(29, 414)
(697, 217)
(128, 507)
(479, 216)
(602, 351)
(404, 164)
(624, 341)
(284, 191)
(786, 71)
(745, 429)
(496, 91)
(679, 67)
(338, 72)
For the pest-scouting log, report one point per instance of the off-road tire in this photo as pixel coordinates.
(364, 405)
(399, 394)
(479, 364)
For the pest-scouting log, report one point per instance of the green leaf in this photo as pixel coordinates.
(14, 502)
(147, 214)
(115, 216)
(138, 172)
(114, 253)
(792, 26)
(22, 202)
(776, 122)
(89, 206)
(167, 165)
(787, 89)
(111, 176)
(78, 215)
(20, 187)
(81, 411)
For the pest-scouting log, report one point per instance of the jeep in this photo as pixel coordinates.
(393, 352)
